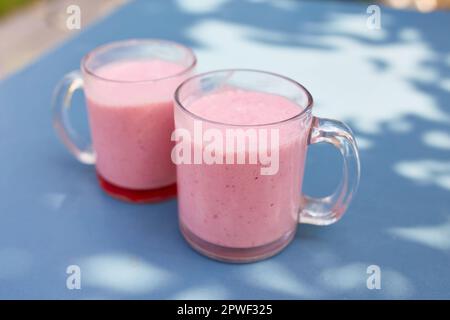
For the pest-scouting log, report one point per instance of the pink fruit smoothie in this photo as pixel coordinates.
(131, 119)
(233, 205)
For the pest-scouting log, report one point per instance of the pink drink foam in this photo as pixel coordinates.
(233, 205)
(131, 122)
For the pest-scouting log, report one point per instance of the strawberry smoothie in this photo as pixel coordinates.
(234, 205)
(131, 116)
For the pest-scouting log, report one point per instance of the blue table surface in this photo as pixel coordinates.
(392, 86)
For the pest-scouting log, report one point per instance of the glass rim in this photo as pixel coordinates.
(120, 43)
(305, 110)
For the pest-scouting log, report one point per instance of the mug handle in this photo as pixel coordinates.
(62, 101)
(328, 210)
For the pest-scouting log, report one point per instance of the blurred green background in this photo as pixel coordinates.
(7, 6)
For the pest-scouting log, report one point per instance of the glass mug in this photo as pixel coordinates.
(129, 88)
(231, 211)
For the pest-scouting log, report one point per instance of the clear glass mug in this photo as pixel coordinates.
(231, 212)
(129, 88)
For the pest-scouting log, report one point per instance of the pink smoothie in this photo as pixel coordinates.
(233, 205)
(131, 118)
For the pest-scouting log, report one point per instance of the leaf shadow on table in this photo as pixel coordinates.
(390, 223)
(399, 219)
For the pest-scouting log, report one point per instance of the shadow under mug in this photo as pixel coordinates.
(129, 88)
(231, 212)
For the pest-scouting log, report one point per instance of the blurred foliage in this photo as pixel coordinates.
(7, 6)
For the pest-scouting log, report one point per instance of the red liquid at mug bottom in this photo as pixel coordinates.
(137, 196)
(131, 125)
(230, 211)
